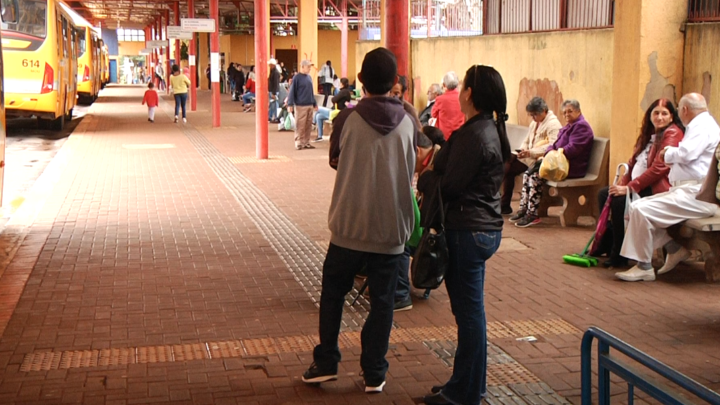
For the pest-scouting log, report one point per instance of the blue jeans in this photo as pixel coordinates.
(402, 292)
(322, 115)
(339, 271)
(272, 112)
(180, 100)
(465, 279)
(247, 98)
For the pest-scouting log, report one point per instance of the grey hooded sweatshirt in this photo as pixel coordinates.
(373, 148)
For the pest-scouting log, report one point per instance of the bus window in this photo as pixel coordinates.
(8, 12)
(64, 36)
(81, 41)
(25, 16)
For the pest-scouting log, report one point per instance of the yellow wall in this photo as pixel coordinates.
(241, 48)
(555, 65)
(648, 64)
(702, 72)
(127, 48)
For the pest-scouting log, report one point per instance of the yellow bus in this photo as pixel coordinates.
(89, 73)
(40, 67)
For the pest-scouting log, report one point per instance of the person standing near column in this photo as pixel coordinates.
(273, 90)
(301, 100)
(326, 74)
(180, 84)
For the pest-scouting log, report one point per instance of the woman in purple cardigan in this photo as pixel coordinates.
(576, 140)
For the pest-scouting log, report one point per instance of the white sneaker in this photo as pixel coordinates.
(673, 259)
(184, 121)
(375, 390)
(636, 274)
(176, 118)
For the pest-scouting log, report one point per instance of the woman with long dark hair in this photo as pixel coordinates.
(180, 84)
(469, 171)
(327, 73)
(647, 173)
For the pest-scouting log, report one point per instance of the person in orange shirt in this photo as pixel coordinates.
(447, 106)
(151, 99)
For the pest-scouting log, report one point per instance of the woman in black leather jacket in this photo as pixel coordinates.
(469, 170)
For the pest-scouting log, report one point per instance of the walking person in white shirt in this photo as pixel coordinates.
(690, 163)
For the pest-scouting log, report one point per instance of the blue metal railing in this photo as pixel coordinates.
(634, 376)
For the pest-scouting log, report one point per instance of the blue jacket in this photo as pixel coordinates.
(301, 91)
(576, 139)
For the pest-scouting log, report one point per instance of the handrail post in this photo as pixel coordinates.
(603, 374)
(586, 368)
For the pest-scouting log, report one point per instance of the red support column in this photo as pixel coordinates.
(156, 56)
(167, 50)
(148, 58)
(397, 39)
(344, 39)
(191, 57)
(215, 64)
(176, 10)
(261, 79)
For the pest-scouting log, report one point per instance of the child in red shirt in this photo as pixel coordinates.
(151, 99)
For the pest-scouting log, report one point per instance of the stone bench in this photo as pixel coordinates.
(578, 197)
(699, 234)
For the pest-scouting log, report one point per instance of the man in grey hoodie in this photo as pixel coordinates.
(373, 148)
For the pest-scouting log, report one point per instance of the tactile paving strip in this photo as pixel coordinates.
(253, 159)
(302, 256)
(541, 327)
(437, 339)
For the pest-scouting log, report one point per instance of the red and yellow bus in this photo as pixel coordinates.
(40, 66)
(89, 52)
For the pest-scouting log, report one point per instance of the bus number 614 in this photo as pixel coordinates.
(31, 63)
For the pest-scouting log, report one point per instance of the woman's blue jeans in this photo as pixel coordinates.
(465, 280)
(247, 98)
(322, 115)
(180, 100)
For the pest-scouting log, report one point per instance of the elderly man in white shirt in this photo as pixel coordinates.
(651, 216)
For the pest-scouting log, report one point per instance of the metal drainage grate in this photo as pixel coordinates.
(252, 159)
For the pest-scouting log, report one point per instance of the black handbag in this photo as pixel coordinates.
(431, 258)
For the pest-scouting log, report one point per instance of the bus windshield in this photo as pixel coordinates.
(24, 16)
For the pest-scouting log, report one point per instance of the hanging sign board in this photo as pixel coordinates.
(146, 51)
(157, 44)
(175, 32)
(198, 24)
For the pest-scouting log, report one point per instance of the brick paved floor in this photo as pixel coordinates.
(149, 266)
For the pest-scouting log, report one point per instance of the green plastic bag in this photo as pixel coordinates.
(417, 229)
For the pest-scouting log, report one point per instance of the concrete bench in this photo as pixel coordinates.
(701, 234)
(578, 197)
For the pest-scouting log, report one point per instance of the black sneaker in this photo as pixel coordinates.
(518, 216)
(506, 210)
(528, 220)
(314, 375)
(403, 305)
